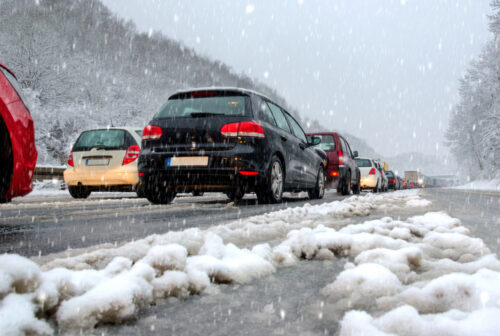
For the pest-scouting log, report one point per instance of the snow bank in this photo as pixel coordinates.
(109, 285)
(482, 185)
(422, 276)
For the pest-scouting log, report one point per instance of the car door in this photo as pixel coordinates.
(349, 161)
(287, 141)
(306, 158)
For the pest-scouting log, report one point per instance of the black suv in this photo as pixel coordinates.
(230, 140)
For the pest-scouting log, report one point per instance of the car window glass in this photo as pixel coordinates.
(296, 129)
(101, 139)
(345, 148)
(267, 114)
(363, 163)
(327, 142)
(139, 132)
(201, 106)
(279, 116)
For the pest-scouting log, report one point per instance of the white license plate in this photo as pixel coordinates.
(97, 162)
(187, 161)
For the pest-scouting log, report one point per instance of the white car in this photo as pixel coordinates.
(385, 179)
(370, 174)
(104, 160)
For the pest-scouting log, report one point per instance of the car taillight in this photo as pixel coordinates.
(393, 180)
(132, 154)
(334, 174)
(151, 133)
(250, 129)
(248, 173)
(372, 171)
(341, 159)
(70, 160)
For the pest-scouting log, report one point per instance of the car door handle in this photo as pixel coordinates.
(284, 138)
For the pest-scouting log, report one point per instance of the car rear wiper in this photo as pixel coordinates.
(204, 114)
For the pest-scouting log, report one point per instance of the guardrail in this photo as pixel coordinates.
(48, 173)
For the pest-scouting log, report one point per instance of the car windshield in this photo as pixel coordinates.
(363, 163)
(100, 139)
(327, 142)
(199, 107)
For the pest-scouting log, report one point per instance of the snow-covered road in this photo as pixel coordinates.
(417, 272)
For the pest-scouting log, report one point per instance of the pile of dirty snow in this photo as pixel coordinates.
(109, 285)
(422, 276)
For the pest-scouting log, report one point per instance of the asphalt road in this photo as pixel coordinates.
(40, 225)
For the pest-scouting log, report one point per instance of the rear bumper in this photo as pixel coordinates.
(333, 181)
(122, 176)
(221, 173)
(369, 182)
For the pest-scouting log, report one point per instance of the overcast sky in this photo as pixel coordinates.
(384, 70)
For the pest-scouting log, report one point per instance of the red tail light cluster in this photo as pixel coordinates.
(243, 129)
(70, 160)
(132, 154)
(151, 133)
(373, 171)
(393, 180)
(341, 158)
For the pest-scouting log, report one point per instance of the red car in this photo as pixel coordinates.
(342, 172)
(17, 139)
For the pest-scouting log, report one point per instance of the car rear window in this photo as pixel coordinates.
(389, 173)
(327, 142)
(203, 106)
(363, 163)
(111, 139)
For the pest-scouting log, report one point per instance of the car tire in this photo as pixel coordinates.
(272, 189)
(235, 195)
(197, 193)
(157, 193)
(356, 189)
(346, 185)
(319, 189)
(6, 157)
(79, 192)
(139, 190)
(376, 189)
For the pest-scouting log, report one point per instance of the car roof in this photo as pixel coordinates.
(221, 88)
(322, 133)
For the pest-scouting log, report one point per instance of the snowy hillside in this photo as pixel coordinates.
(83, 67)
(427, 164)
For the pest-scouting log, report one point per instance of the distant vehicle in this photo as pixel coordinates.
(18, 153)
(342, 172)
(399, 179)
(385, 180)
(370, 174)
(412, 178)
(229, 140)
(393, 180)
(104, 160)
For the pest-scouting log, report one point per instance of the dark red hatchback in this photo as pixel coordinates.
(342, 172)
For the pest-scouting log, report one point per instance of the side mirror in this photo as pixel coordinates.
(356, 154)
(315, 141)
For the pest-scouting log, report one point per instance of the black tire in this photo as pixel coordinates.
(346, 185)
(356, 189)
(139, 190)
(377, 188)
(6, 158)
(319, 189)
(197, 193)
(157, 192)
(79, 192)
(235, 195)
(272, 189)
